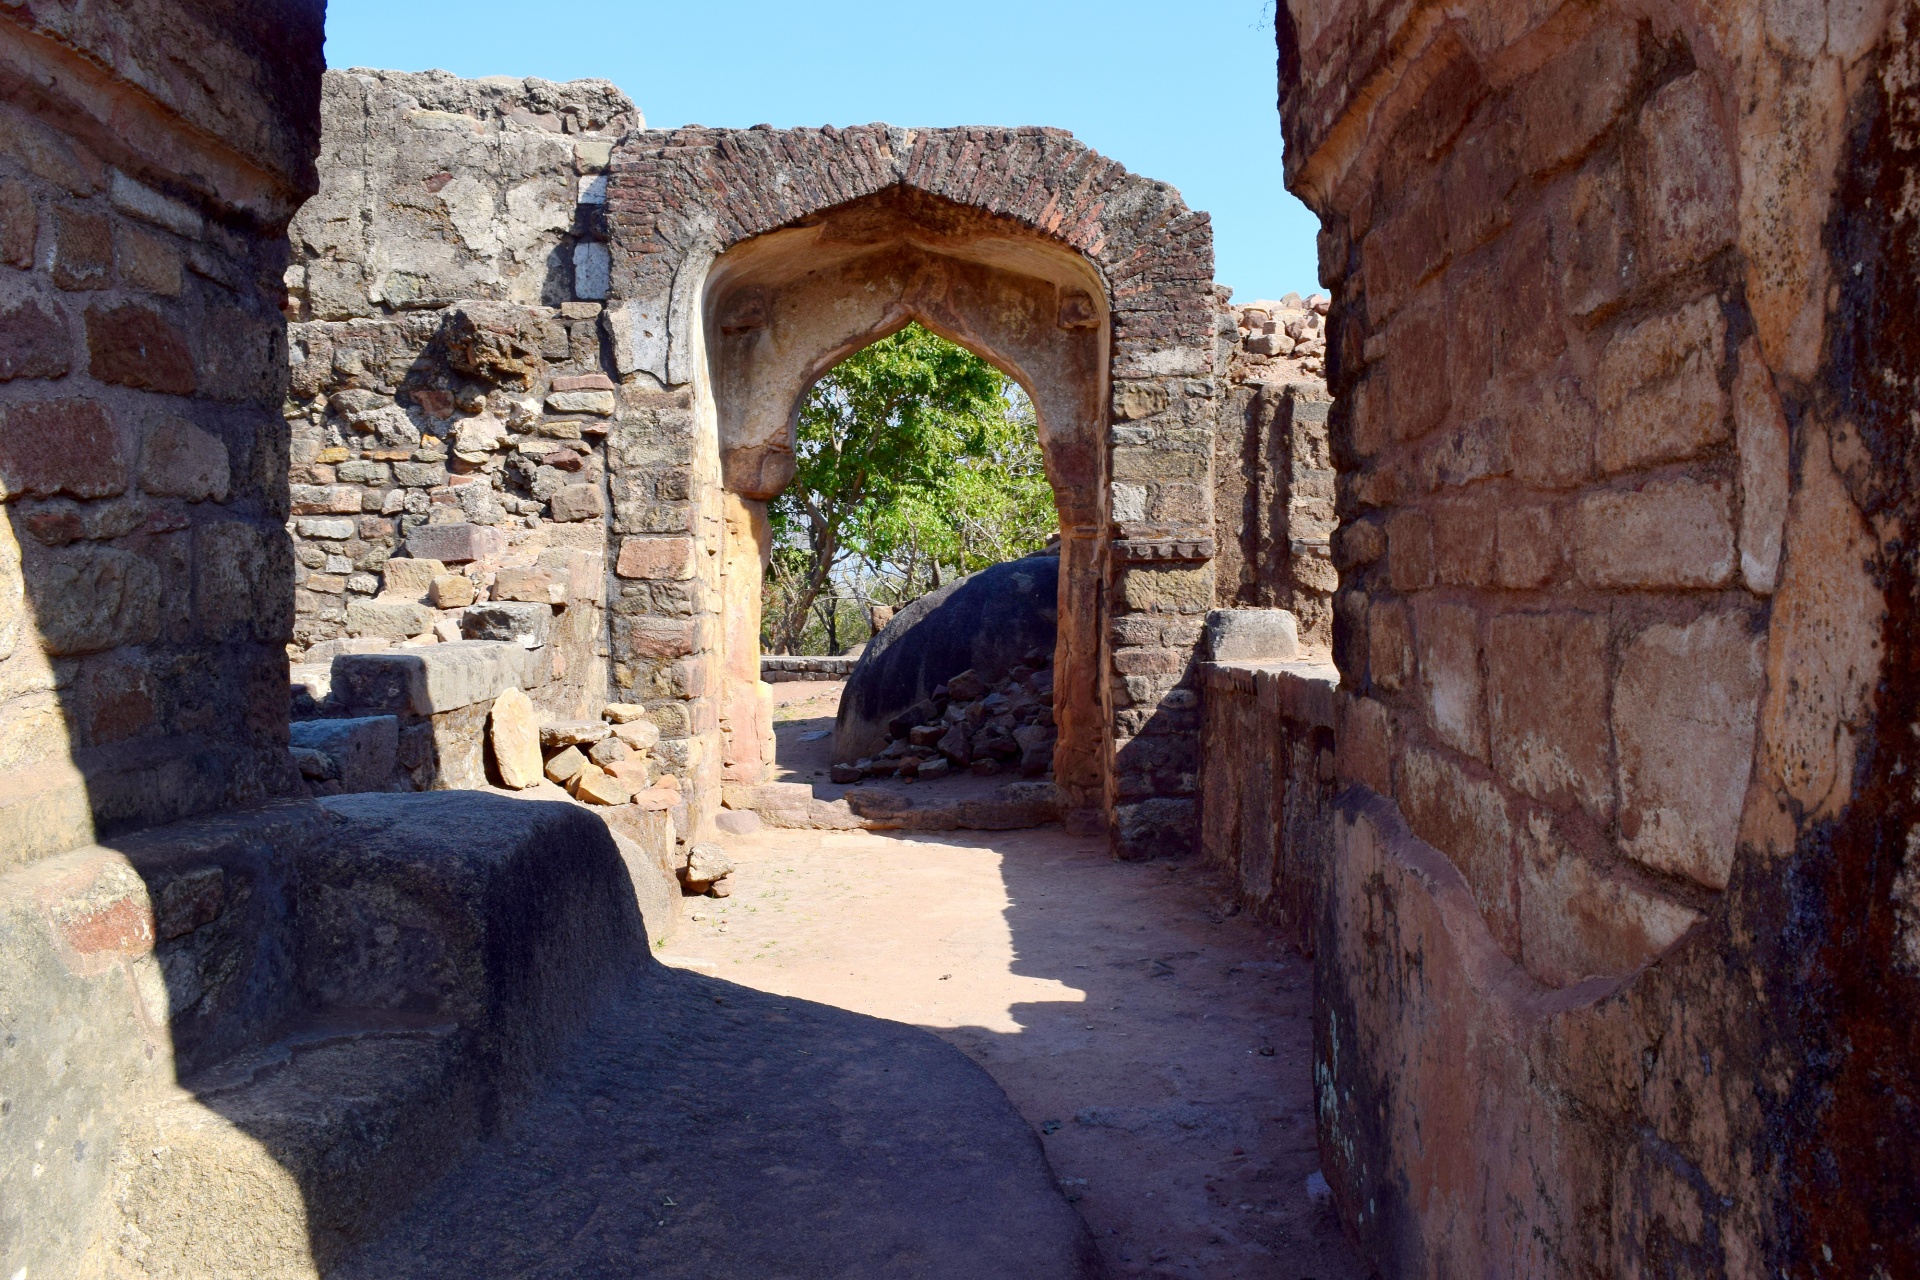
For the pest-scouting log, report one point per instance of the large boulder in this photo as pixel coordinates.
(987, 621)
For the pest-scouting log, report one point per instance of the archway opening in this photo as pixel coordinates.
(916, 463)
(784, 309)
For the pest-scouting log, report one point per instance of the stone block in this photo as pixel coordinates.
(592, 278)
(394, 618)
(326, 530)
(182, 461)
(655, 558)
(90, 597)
(427, 681)
(641, 735)
(1547, 705)
(1363, 744)
(61, 446)
(529, 585)
(1410, 550)
(455, 543)
(363, 751)
(328, 499)
(1688, 175)
(1389, 645)
(409, 579)
(1578, 921)
(526, 625)
(578, 502)
(656, 638)
(1684, 712)
(1463, 537)
(450, 591)
(623, 713)
(34, 341)
(136, 346)
(1765, 469)
(1158, 828)
(19, 223)
(1168, 589)
(513, 731)
(1659, 388)
(596, 786)
(564, 764)
(1551, 440)
(1667, 533)
(148, 262)
(82, 249)
(555, 734)
(1465, 817)
(1527, 546)
(1567, 104)
(419, 475)
(1252, 635)
(600, 403)
(1135, 400)
(1449, 662)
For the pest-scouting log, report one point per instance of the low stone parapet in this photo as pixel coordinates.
(1267, 784)
(776, 670)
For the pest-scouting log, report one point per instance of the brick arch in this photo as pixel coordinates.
(678, 202)
(677, 198)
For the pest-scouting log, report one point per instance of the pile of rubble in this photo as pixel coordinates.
(1291, 332)
(969, 724)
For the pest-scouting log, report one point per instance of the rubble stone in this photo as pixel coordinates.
(514, 735)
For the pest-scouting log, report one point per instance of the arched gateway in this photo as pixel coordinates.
(747, 263)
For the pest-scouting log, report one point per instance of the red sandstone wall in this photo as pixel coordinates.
(1615, 954)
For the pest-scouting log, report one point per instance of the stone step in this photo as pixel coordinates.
(290, 1154)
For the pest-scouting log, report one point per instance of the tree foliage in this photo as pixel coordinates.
(916, 461)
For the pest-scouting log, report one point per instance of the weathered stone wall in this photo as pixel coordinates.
(449, 400)
(1272, 467)
(1267, 786)
(150, 156)
(1614, 949)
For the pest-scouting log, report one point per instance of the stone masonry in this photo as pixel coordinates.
(449, 401)
(1136, 578)
(143, 575)
(1614, 932)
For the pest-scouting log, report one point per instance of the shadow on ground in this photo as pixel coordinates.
(705, 1129)
(1158, 1042)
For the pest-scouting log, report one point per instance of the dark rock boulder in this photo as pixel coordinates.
(987, 621)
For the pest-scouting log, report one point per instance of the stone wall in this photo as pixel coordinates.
(1614, 947)
(449, 400)
(1272, 468)
(150, 156)
(1267, 786)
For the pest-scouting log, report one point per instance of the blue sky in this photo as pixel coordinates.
(1182, 92)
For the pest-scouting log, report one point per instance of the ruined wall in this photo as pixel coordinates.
(1614, 945)
(449, 402)
(1272, 468)
(150, 156)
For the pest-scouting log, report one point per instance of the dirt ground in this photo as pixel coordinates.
(1160, 1042)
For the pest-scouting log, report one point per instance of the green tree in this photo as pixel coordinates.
(914, 459)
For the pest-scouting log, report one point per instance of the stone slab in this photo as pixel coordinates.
(427, 681)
